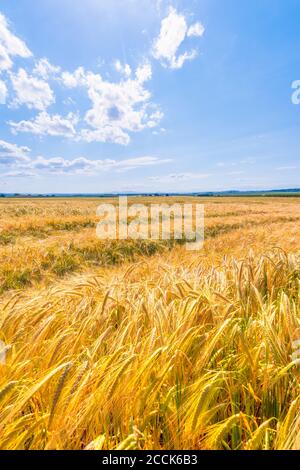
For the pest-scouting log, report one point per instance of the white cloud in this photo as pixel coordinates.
(76, 79)
(31, 91)
(45, 70)
(178, 62)
(60, 165)
(144, 73)
(197, 30)
(123, 69)
(45, 124)
(3, 92)
(140, 162)
(108, 134)
(162, 130)
(11, 153)
(287, 168)
(5, 61)
(173, 32)
(18, 174)
(82, 165)
(176, 177)
(155, 118)
(117, 107)
(10, 45)
(20, 163)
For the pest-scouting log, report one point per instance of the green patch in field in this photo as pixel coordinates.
(14, 279)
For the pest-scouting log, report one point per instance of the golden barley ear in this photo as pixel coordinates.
(296, 335)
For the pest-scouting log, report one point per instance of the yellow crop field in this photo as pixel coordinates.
(140, 344)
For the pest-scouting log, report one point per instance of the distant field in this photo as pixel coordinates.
(142, 344)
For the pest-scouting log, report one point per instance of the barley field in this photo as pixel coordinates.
(143, 344)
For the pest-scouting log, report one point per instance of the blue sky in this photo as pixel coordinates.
(146, 95)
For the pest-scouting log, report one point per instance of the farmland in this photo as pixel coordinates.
(140, 344)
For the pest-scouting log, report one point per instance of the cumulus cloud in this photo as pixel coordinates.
(108, 134)
(197, 30)
(118, 108)
(11, 154)
(155, 118)
(61, 165)
(123, 69)
(75, 79)
(144, 73)
(31, 91)
(46, 124)
(45, 70)
(10, 45)
(173, 32)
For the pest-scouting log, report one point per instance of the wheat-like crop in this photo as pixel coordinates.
(176, 350)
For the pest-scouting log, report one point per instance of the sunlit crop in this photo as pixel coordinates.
(144, 345)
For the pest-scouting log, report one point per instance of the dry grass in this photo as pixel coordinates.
(177, 350)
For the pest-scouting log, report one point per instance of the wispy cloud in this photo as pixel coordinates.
(175, 177)
(288, 168)
(19, 160)
(10, 45)
(3, 92)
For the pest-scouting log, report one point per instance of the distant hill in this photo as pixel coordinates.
(231, 193)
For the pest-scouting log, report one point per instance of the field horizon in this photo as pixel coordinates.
(292, 192)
